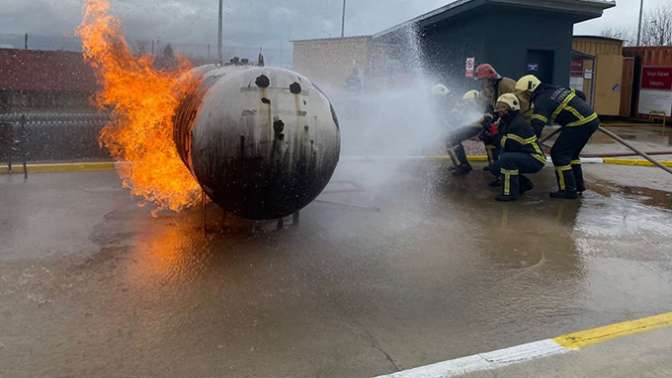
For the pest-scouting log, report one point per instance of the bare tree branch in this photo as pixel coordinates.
(657, 27)
(623, 34)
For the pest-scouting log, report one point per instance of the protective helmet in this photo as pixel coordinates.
(510, 100)
(528, 83)
(440, 90)
(486, 71)
(471, 95)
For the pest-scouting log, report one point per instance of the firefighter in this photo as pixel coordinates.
(456, 150)
(520, 149)
(493, 85)
(567, 108)
(472, 99)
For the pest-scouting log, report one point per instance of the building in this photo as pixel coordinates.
(597, 70)
(333, 60)
(45, 81)
(516, 36)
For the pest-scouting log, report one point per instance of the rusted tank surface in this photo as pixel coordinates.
(263, 142)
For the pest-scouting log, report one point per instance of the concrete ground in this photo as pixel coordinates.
(642, 355)
(398, 265)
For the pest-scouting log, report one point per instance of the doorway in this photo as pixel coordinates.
(540, 64)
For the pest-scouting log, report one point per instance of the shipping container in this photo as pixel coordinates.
(652, 82)
(651, 55)
(627, 87)
(605, 77)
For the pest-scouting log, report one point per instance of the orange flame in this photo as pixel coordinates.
(143, 100)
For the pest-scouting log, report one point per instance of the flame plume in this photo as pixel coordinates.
(143, 100)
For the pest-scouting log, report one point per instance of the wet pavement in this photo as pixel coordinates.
(397, 266)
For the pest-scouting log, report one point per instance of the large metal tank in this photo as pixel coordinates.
(262, 142)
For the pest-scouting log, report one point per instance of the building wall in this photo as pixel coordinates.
(332, 62)
(608, 73)
(502, 37)
(447, 46)
(526, 30)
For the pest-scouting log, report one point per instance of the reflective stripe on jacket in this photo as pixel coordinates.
(555, 105)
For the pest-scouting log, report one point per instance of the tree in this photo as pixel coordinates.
(618, 33)
(657, 27)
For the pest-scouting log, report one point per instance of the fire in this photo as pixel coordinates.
(143, 100)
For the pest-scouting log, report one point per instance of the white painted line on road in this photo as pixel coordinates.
(484, 361)
(536, 350)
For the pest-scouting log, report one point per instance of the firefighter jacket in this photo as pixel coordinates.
(517, 135)
(562, 106)
(503, 86)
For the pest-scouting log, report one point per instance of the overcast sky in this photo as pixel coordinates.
(252, 22)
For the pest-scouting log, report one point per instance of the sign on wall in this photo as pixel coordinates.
(656, 90)
(470, 66)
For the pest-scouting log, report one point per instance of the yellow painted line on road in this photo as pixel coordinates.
(570, 343)
(594, 336)
(108, 165)
(634, 162)
(59, 167)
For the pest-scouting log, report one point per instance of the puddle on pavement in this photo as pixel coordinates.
(647, 196)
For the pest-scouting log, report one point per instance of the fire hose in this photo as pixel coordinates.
(622, 141)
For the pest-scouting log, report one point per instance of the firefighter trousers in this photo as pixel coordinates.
(566, 155)
(512, 165)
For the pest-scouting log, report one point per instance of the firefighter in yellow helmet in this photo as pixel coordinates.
(520, 149)
(567, 108)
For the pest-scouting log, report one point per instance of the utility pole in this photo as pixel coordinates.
(639, 28)
(343, 21)
(220, 57)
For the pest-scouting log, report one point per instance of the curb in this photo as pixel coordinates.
(484, 158)
(108, 165)
(59, 167)
(536, 350)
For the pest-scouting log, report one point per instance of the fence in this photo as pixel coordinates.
(51, 136)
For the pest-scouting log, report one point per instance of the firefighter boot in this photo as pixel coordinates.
(462, 166)
(566, 183)
(496, 183)
(525, 184)
(578, 176)
(510, 187)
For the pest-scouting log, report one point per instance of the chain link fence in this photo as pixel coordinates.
(38, 137)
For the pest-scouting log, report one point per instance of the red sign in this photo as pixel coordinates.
(471, 62)
(576, 69)
(657, 78)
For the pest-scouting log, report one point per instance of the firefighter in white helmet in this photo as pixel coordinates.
(520, 150)
(485, 128)
(470, 100)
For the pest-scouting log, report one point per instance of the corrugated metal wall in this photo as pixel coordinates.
(651, 56)
(627, 90)
(598, 46)
(608, 72)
